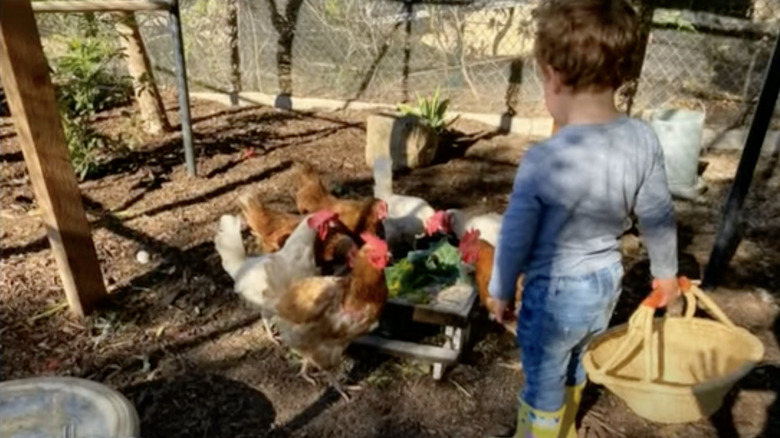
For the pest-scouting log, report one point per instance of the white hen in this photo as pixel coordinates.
(261, 280)
(406, 215)
(488, 224)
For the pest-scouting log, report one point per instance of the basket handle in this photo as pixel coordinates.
(640, 327)
(640, 330)
(694, 294)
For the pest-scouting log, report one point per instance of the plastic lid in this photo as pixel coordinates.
(64, 407)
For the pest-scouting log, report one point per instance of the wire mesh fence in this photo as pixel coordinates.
(479, 53)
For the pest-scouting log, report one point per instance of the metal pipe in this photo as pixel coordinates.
(184, 94)
(727, 239)
(102, 6)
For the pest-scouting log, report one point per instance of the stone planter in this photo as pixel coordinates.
(405, 139)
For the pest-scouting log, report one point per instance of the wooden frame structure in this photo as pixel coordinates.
(172, 7)
(31, 98)
(30, 93)
(453, 316)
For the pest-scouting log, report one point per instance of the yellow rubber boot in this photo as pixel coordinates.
(570, 407)
(533, 423)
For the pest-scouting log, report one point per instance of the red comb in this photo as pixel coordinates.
(438, 222)
(321, 217)
(374, 241)
(468, 246)
(471, 235)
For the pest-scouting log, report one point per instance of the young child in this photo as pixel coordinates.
(570, 203)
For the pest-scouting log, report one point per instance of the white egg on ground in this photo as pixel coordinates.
(142, 257)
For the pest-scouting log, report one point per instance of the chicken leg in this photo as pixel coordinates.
(340, 389)
(272, 336)
(304, 372)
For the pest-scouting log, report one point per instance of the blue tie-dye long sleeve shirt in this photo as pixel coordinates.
(571, 202)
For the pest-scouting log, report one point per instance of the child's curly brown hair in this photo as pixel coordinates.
(590, 43)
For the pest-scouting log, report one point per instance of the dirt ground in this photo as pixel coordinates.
(194, 358)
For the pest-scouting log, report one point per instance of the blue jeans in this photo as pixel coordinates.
(558, 319)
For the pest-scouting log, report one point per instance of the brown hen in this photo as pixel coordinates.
(481, 254)
(358, 215)
(270, 227)
(320, 316)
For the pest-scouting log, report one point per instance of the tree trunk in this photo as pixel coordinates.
(235, 54)
(285, 28)
(139, 66)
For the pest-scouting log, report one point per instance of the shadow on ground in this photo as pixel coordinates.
(187, 406)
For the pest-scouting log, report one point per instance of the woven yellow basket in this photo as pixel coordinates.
(673, 369)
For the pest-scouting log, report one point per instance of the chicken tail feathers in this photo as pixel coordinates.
(249, 202)
(229, 244)
(383, 178)
(254, 212)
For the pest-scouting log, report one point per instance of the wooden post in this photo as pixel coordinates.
(25, 78)
(102, 5)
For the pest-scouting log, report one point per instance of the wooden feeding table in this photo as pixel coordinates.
(449, 308)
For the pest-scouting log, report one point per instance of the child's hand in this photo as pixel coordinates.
(665, 291)
(499, 309)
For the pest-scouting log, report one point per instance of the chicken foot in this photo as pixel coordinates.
(272, 336)
(305, 374)
(341, 389)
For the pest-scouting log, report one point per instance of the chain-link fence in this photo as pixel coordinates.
(710, 53)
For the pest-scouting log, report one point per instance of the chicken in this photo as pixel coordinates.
(481, 254)
(311, 192)
(320, 316)
(358, 216)
(436, 227)
(488, 224)
(332, 253)
(439, 223)
(262, 280)
(271, 228)
(406, 215)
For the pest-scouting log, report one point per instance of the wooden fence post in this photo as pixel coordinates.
(25, 78)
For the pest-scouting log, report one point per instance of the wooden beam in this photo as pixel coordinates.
(28, 87)
(102, 6)
(410, 350)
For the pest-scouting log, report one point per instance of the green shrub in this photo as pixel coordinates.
(86, 85)
(84, 144)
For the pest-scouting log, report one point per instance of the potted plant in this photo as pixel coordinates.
(411, 135)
